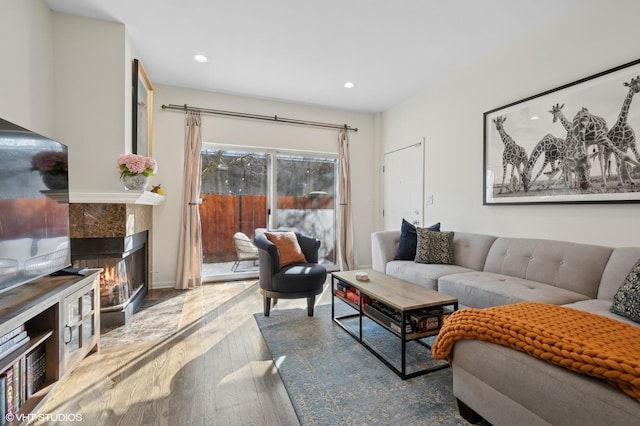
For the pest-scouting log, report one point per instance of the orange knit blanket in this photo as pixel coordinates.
(580, 341)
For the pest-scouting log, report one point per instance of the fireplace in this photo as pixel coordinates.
(124, 279)
(115, 232)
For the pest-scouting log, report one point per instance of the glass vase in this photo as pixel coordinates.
(135, 182)
(55, 181)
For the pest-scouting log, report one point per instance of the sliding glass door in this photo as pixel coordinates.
(305, 199)
(245, 191)
(234, 203)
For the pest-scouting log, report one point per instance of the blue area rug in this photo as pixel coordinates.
(332, 380)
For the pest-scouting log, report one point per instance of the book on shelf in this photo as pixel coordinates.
(36, 371)
(17, 388)
(342, 286)
(388, 316)
(8, 336)
(14, 342)
(430, 319)
(3, 399)
(8, 374)
(23, 380)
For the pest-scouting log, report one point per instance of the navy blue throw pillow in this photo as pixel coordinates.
(409, 240)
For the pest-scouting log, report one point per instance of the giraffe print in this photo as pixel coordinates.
(595, 133)
(567, 171)
(576, 155)
(590, 129)
(622, 135)
(553, 149)
(556, 110)
(513, 154)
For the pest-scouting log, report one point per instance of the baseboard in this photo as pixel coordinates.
(157, 285)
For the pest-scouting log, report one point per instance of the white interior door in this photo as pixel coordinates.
(403, 185)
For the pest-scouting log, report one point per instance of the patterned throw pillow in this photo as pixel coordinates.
(434, 247)
(289, 250)
(626, 301)
(409, 240)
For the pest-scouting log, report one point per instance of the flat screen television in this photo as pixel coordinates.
(34, 206)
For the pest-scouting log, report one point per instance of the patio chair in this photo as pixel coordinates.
(245, 250)
(291, 281)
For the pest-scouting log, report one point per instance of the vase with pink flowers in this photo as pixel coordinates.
(135, 170)
(53, 167)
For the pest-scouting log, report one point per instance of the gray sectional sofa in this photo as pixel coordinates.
(504, 386)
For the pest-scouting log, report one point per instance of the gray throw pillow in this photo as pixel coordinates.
(434, 247)
(626, 301)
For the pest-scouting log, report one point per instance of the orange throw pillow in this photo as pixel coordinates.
(289, 250)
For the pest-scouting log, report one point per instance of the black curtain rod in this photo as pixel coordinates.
(187, 108)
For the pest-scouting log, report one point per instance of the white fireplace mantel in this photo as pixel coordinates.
(125, 197)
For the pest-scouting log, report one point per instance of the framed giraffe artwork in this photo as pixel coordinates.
(572, 144)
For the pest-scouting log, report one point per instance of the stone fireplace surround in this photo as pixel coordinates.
(114, 224)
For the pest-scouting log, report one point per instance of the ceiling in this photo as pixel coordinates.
(304, 51)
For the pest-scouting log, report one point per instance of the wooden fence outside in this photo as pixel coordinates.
(223, 215)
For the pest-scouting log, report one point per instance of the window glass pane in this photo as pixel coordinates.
(234, 190)
(87, 302)
(74, 344)
(306, 199)
(87, 329)
(74, 311)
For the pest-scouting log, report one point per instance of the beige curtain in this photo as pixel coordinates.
(345, 221)
(189, 273)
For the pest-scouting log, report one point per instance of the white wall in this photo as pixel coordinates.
(26, 65)
(594, 37)
(168, 147)
(91, 97)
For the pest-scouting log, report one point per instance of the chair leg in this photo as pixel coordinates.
(235, 265)
(267, 305)
(311, 301)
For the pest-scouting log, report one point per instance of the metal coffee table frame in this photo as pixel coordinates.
(345, 277)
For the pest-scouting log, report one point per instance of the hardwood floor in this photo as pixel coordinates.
(192, 357)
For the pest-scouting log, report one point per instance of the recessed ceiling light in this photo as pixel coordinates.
(200, 58)
(349, 85)
(535, 117)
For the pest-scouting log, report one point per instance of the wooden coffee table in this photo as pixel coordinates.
(406, 300)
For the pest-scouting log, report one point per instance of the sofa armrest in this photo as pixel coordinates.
(384, 246)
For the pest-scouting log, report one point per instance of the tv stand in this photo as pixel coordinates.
(61, 316)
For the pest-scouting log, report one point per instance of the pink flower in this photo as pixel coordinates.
(50, 161)
(150, 163)
(134, 164)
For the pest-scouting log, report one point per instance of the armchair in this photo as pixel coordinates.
(245, 250)
(292, 281)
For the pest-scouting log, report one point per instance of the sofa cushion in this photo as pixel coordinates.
(485, 289)
(409, 240)
(434, 247)
(572, 266)
(620, 263)
(470, 250)
(600, 307)
(425, 275)
(626, 301)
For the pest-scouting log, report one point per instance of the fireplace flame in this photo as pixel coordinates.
(115, 286)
